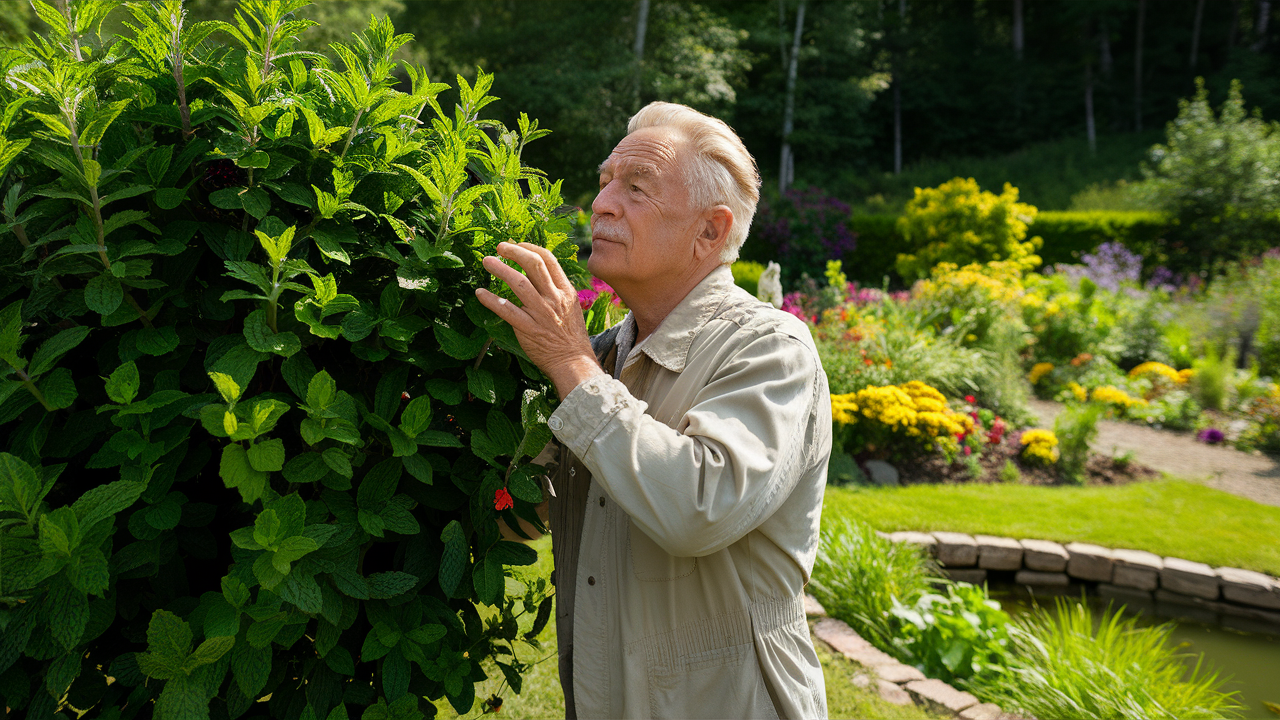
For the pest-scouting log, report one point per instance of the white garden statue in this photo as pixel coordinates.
(769, 288)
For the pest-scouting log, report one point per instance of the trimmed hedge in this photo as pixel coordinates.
(1067, 235)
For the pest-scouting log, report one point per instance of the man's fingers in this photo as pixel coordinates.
(518, 283)
(504, 309)
(534, 264)
(554, 269)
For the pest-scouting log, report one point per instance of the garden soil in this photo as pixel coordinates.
(1256, 477)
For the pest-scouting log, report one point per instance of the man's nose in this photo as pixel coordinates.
(606, 200)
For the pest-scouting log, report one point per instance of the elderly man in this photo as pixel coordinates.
(694, 443)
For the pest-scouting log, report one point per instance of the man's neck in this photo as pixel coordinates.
(651, 305)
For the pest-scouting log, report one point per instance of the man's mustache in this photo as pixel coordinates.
(607, 232)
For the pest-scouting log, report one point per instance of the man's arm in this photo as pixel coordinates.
(735, 457)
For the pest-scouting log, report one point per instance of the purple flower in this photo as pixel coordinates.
(1110, 266)
(1212, 436)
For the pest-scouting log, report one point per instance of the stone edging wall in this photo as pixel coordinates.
(1240, 599)
(897, 682)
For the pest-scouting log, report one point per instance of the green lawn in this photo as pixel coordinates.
(1167, 517)
(541, 696)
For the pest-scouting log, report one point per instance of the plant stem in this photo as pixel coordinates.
(71, 29)
(351, 133)
(142, 314)
(31, 387)
(176, 59)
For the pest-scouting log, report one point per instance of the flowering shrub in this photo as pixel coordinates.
(1160, 370)
(898, 420)
(959, 223)
(973, 298)
(1108, 267)
(1038, 371)
(802, 230)
(1040, 446)
(1110, 395)
(1263, 414)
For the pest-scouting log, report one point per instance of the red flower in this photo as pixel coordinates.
(502, 499)
(968, 450)
(970, 399)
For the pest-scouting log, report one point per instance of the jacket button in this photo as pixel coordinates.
(601, 501)
(555, 423)
(591, 579)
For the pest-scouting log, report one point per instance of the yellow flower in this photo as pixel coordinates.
(1078, 390)
(1114, 396)
(1038, 371)
(1184, 376)
(915, 408)
(1159, 370)
(1040, 445)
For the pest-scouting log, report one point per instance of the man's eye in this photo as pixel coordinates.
(635, 188)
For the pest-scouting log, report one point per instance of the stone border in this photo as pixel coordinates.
(896, 682)
(1242, 600)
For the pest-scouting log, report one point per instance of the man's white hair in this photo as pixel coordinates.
(720, 172)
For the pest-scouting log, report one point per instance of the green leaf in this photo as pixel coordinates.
(256, 202)
(336, 459)
(480, 384)
(20, 487)
(251, 661)
(168, 644)
(103, 501)
(267, 455)
(235, 592)
(321, 391)
(386, 585)
(261, 338)
(97, 128)
(183, 698)
(257, 159)
(226, 198)
(306, 467)
(390, 390)
(417, 466)
(460, 346)
(122, 386)
(453, 563)
(68, 614)
(236, 472)
(157, 341)
(379, 484)
(170, 198)
(209, 652)
(487, 578)
(103, 294)
(513, 553)
(416, 416)
(59, 389)
(55, 347)
(523, 484)
(225, 384)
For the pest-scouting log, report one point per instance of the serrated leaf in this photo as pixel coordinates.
(386, 585)
(68, 614)
(55, 347)
(267, 455)
(486, 576)
(480, 384)
(209, 652)
(236, 472)
(261, 338)
(122, 385)
(453, 562)
(416, 416)
(306, 467)
(103, 294)
(338, 462)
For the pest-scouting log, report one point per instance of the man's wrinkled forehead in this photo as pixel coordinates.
(650, 152)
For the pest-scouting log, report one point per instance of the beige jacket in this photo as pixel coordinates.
(686, 519)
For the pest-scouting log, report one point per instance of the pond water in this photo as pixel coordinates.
(1251, 661)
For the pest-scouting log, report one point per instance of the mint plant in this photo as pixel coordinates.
(257, 433)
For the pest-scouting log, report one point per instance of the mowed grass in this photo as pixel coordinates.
(1168, 517)
(541, 696)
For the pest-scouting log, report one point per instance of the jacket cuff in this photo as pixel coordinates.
(586, 410)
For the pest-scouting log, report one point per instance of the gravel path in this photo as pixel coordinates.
(1256, 477)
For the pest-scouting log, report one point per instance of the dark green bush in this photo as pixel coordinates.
(1070, 234)
(257, 431)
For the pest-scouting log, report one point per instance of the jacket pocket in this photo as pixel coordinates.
(720, 683)
(653, 564)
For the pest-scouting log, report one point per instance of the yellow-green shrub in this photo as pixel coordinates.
(960, 223)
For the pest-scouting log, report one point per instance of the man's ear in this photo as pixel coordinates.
(714, 232)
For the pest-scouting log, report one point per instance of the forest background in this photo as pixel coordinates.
(1062, 98)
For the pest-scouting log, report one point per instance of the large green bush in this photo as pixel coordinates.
(958, 222)
(1217, 176)
(258, 433)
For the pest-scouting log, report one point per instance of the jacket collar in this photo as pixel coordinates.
(669, 344)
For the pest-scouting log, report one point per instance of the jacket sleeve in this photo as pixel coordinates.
(728, 465)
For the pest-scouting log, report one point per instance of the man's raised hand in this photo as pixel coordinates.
(549, 326)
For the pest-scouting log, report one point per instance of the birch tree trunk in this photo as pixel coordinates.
(1090, 128)
(787, 168)
(1017, 29)
(1137, 65)
(642, 26)
(1264, 20)
(1195, 32)
(897, 92)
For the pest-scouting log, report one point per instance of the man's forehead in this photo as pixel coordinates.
(650, 151)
